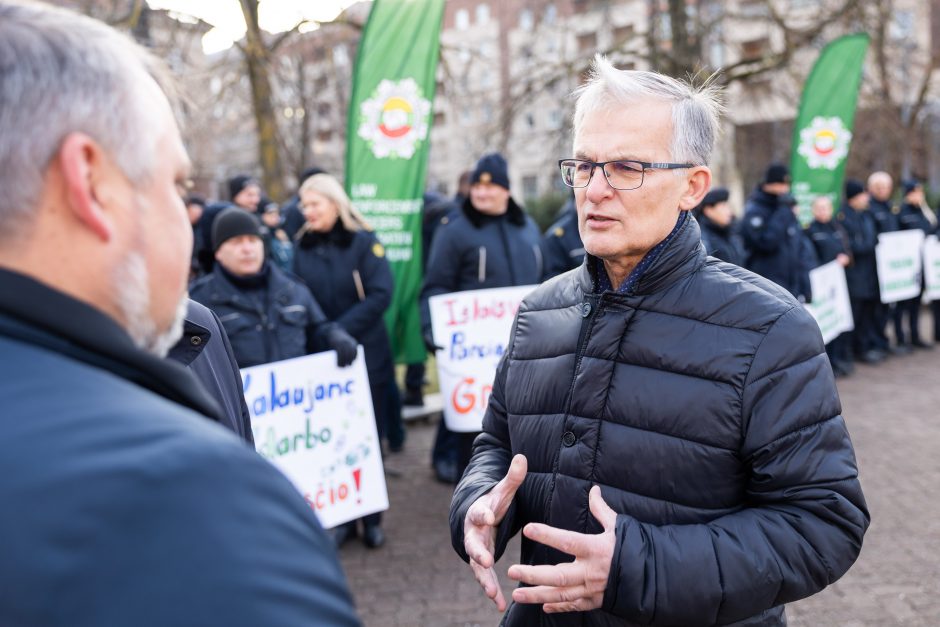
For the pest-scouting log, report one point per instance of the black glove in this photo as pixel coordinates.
(429, 343)
(344, 344)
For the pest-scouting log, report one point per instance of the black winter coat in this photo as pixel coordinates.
(885, 215)
(472, 251)
(350, 277)
(205, 350)
(289, 323)
(829, 239)
(862, 273)
(123, 499)
(703, 405)
(722, 242)
(562, 248)
(912, 217)
(773, 238)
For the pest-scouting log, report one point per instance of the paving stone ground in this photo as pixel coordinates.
(892, 413)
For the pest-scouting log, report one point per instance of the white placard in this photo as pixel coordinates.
(315, 423)
(932, 268)
(473, 328)
(899, 260)
(831, 306)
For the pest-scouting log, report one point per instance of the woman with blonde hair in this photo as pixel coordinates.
(344, 265)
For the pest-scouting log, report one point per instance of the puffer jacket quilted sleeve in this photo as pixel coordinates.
(805, 518)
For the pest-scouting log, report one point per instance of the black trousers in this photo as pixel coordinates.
(909, 309)
(865, 336)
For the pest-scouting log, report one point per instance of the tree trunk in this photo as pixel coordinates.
(258, 67)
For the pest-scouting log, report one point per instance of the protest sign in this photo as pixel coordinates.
(899, 259)
(315, 423)
(831, 306)
(932, 268)
(473, 327)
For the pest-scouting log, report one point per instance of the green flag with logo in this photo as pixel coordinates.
(387, 141)
(823, 130)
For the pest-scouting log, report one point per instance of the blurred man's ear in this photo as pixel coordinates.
(698, 182)
(85, 172)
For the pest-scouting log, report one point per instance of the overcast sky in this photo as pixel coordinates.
(226, 16)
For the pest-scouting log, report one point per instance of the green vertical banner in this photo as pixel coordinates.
(387, 143)
(823, 130)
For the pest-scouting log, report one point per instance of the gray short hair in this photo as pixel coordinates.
(695, 109)
(61, 72)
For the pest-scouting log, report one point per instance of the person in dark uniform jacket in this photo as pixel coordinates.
(719, 232)
(913, 215)
(772, 234)
(205, 350)
(862, 274)
(344, 265)
(885, 213)
(267, 314)
(831, 243)
(562, 248)
(490, 242)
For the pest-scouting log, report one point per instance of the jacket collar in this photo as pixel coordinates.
(681, 254)
(41, 316)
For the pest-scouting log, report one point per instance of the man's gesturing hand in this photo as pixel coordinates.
(576, 586)
(479, 528)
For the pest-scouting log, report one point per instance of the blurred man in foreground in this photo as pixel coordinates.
(135, 509)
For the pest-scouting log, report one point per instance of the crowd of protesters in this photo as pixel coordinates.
(770, 241)
(315, 271)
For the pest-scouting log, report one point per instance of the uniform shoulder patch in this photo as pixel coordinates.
(559, 231)
(895, 210)
(378, 250)
(445, 220)
(757, 222)
(841, 216)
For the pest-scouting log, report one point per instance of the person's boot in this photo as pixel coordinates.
(413, 397)
(344, 533)
(373, 536)
(446, 471)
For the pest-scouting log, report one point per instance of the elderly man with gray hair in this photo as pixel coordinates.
(664, 427)
(123, 504)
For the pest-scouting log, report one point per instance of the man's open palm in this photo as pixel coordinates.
(480, 525)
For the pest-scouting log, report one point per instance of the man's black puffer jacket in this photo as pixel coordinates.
(704, 406)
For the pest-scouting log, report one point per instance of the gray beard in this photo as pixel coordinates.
(131, 286)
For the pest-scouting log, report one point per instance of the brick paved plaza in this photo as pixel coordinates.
(892, 413)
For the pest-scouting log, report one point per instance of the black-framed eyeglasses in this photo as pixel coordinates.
(621, 175)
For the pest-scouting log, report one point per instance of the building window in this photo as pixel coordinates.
(325, 136)
(550, 14)
(755, 49)
(530, 186)
(587, 42)
(623, 34)
(340, 56)
(526, 22)
(483, 14)
(462, 19)
(555, 118)
(439, 118)
(530, 120)
(581, 6)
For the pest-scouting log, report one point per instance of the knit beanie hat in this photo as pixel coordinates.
(231, 223)
(237, 183)
(853, 188)
(777, 173)
(491, 168)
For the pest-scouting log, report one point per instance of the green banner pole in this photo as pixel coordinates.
(822, 133)
(387, 142)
